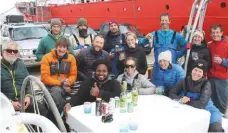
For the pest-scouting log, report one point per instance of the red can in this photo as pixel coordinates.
(104, 108)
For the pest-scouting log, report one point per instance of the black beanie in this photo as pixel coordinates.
(201, 64)
(102, 61)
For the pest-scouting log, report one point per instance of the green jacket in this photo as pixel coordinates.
(12, 77)
(46, 45)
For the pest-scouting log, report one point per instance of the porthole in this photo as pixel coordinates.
(223, 5)
(167, 7)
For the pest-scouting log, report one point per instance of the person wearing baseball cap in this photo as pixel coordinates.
(196, 91)
(48, 42)
(168, 74)
(199, 50)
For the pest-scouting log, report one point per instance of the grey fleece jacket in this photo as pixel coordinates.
(146, 87)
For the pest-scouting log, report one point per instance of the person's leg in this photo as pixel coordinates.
(58, 95)
(216, 127)
(221, 100)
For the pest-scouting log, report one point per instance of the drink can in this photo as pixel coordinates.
(111, 107)
(104, 108)
(98, 107)
(130, 107)
(117, 102)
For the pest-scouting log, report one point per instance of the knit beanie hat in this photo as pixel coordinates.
(82, 21)
(199, 33)
(113, 22)
(101, 61)
(201, 64)
(56, 21)
(166, 55)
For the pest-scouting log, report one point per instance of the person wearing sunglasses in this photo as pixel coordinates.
(199, 50)
(168, 74)
(131, 75)
(13, 73)
(132, 50)
(196, 92)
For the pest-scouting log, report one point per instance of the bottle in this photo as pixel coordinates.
(135, 92)
(123, 102)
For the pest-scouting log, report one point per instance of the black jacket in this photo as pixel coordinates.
(140, 57)
(112, 40)
(203, 86)
(85, 60)
(108, 89)
(199, 52)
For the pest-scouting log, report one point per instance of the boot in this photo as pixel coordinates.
(216, 127)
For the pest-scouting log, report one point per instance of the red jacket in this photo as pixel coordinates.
(220, 49)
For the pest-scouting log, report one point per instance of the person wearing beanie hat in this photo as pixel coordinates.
(100, 85)
(83, 40)
(166, 55)
(82, 26)
(168, 74)
(113, 38)
(48, 42)
(199, 50)
(196, 91)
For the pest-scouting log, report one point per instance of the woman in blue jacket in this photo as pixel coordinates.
(196, 91)
(168, 74)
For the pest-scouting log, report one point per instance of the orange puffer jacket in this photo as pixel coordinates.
(53, 72)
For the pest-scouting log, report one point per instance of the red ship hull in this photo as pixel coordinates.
(144, 14)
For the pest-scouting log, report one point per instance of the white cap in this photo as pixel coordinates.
(166, 55)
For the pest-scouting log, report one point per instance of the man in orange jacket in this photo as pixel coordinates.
(59, 72)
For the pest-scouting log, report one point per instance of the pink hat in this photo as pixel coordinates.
(113, 22)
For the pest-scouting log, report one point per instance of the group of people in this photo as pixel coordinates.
(94, 59)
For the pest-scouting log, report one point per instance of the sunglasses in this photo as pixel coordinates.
(11, 51)
(131, 66)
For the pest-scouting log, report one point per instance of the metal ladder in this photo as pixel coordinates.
(200, 6)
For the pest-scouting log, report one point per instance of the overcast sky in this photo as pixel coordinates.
(7, 4)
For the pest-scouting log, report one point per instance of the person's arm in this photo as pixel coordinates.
(120, 66)
(46, 74)
(204, 97)
(28, 91)
(40, 52)
(73, 71)
(82, 94)
(119, 78)
(147, 88)
(113, 91)
(142, 63)
(180, 74)
(225, 62)
(144, 41)
(70, 48)
(208, 59)
(174, 92)
(80, 62)
(182, 43)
